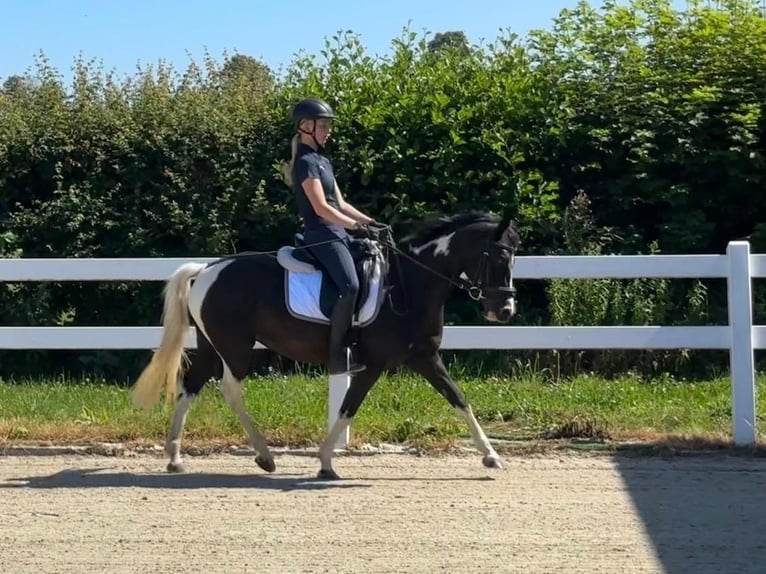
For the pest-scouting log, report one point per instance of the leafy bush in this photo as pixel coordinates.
(629, 129)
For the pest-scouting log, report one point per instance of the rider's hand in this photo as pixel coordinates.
(378, 225)
(363, 230)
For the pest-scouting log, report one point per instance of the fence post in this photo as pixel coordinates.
(336, 393)
(741, 344)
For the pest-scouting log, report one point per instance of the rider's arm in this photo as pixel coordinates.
(349, 209)
(307, 173)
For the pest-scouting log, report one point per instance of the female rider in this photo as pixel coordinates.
(326, 216)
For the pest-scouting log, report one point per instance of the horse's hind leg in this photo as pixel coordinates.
(231, 388)
(202, 369)
(173, 443)
(360, 386)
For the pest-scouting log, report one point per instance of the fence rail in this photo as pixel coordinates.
(738, 266)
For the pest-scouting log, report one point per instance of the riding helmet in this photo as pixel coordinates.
(312, 109)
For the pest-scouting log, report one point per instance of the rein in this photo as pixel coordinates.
(247, 254)
(475, 288)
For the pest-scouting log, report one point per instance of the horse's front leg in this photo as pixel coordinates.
(360, 385)
(432, 368)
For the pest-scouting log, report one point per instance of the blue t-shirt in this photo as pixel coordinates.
(311, 164)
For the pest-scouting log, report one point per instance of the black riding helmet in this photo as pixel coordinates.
(312, 109)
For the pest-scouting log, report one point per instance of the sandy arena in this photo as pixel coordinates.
(390, 513)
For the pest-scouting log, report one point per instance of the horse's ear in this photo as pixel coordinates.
(502, 226)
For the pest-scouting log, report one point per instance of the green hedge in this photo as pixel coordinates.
(629, 129)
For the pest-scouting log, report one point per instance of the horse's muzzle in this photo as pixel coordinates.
(504, 315)
(507, 312)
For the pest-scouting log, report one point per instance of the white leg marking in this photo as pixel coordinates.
(173, 444)
(328, 446)
(480, 439)
(231, 388)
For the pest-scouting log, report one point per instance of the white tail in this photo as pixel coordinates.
(165, 367)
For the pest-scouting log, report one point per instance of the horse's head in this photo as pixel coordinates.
(486, 265)
(477, 252)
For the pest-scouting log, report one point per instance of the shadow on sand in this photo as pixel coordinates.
(106, 478)
(704, 512)
(98, 478)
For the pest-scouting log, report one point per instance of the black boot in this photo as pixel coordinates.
(340, 323)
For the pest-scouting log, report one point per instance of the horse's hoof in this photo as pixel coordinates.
(492, 461)
(328, 474)
(266, 463)
(176, 467)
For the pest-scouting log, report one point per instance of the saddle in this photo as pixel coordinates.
(310, 292)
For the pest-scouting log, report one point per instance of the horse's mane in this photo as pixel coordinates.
(424, 230)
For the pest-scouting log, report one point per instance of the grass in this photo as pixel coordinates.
(292, 411)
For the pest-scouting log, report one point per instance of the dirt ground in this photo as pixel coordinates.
(390, 513)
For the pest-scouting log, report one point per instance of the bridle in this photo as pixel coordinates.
(481, 284)
(478, 287)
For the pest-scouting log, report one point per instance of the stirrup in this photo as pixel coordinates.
(345, 365)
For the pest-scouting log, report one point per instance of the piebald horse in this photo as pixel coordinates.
(284, 303)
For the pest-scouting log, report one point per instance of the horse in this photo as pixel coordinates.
(284, 302)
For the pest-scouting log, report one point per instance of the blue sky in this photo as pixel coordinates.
(121, 33)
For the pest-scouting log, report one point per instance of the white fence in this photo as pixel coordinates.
(740, 337)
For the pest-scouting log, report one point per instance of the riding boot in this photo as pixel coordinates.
(340, 324)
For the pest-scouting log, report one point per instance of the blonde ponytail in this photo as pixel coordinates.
(287, 166)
